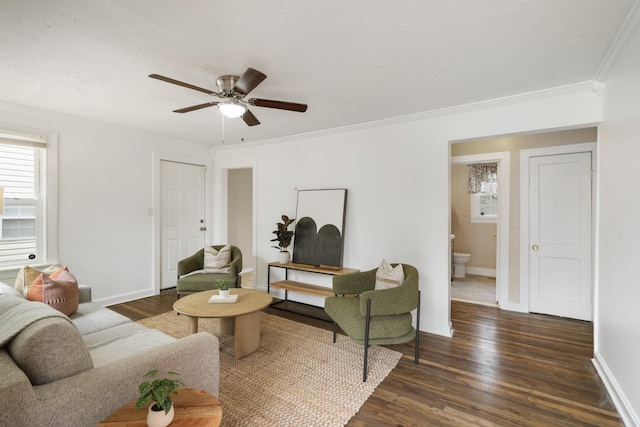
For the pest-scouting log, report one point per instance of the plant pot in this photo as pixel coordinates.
(159, 418)
(223, 293)
(284, 257)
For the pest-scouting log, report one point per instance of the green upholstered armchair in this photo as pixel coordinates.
(206, 281)
(375, 316)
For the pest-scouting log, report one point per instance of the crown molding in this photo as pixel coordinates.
(571, 89)
(627, 31)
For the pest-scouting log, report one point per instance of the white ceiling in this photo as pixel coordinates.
(352, 61)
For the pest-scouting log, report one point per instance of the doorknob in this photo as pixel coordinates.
(203, 228)
(535, 247)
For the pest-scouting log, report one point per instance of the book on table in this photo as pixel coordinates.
(219, 299)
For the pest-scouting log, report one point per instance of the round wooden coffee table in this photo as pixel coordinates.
(240, 319)
(192, 408)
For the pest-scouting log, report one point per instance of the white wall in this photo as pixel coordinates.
(617, 334)
(397, 175)
(105, 187)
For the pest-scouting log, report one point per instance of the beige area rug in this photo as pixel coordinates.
(297, 377)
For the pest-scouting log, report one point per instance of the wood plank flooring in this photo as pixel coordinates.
(499, 369)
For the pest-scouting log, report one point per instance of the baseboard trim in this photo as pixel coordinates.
(118, 299)
(481, 271)
(629, 417)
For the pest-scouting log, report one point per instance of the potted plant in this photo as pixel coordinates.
(223, 287)
(283, 237)
(161, 412)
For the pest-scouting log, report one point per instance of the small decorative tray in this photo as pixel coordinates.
(217, 299)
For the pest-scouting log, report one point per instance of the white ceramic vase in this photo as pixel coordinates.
(223, 293)
(284, 257)
(159, 418)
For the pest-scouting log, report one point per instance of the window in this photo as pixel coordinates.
(483, 189)
(22, 218)
(484, 205)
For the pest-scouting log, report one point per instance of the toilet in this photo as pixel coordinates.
(460, 260)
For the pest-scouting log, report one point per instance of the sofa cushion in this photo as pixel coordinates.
(105, 336)
(28, 274)
(50, 349)
(92, 317)
(141, 341)
(388, 277)
(217, 261)
(204, 282)
(382, 329)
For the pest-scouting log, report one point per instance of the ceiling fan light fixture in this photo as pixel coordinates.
(232, 109)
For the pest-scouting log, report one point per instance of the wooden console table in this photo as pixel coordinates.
(304, 288)
(192, 408)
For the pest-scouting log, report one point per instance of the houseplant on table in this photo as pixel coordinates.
(161, 412)
(223, 287)
(283, 237)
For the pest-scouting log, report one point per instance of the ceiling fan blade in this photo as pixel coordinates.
(250, 119)
(196, 107)
(280, 105)
(248, 81)
(183, 84)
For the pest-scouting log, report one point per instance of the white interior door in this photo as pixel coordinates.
(182, 188)
(560, 235)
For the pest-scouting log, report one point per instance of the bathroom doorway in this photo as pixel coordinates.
(479, 226)
(512, 247)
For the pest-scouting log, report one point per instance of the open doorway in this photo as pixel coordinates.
(479, 214)
(512, 289)
(240, 218)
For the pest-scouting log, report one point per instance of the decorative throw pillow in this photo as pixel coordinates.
(388, 277)
(61, 294)
(27, 275)
(59, 290)
(217, 261)
(34, 289)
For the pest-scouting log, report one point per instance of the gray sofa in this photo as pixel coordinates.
(76, 370)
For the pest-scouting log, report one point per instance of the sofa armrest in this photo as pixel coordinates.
(102, 390)
(85, 293)
(354, 283)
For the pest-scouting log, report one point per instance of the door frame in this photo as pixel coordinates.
(502, 225)
(525, 155)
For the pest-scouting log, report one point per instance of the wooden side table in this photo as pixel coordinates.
(193, 408)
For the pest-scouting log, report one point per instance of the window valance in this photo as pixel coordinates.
(479, 173)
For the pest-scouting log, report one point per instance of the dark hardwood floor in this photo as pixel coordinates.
(499, 369)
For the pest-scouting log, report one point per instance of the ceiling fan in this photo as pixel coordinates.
(232, 90)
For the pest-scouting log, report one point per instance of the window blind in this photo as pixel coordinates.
(20, 180)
